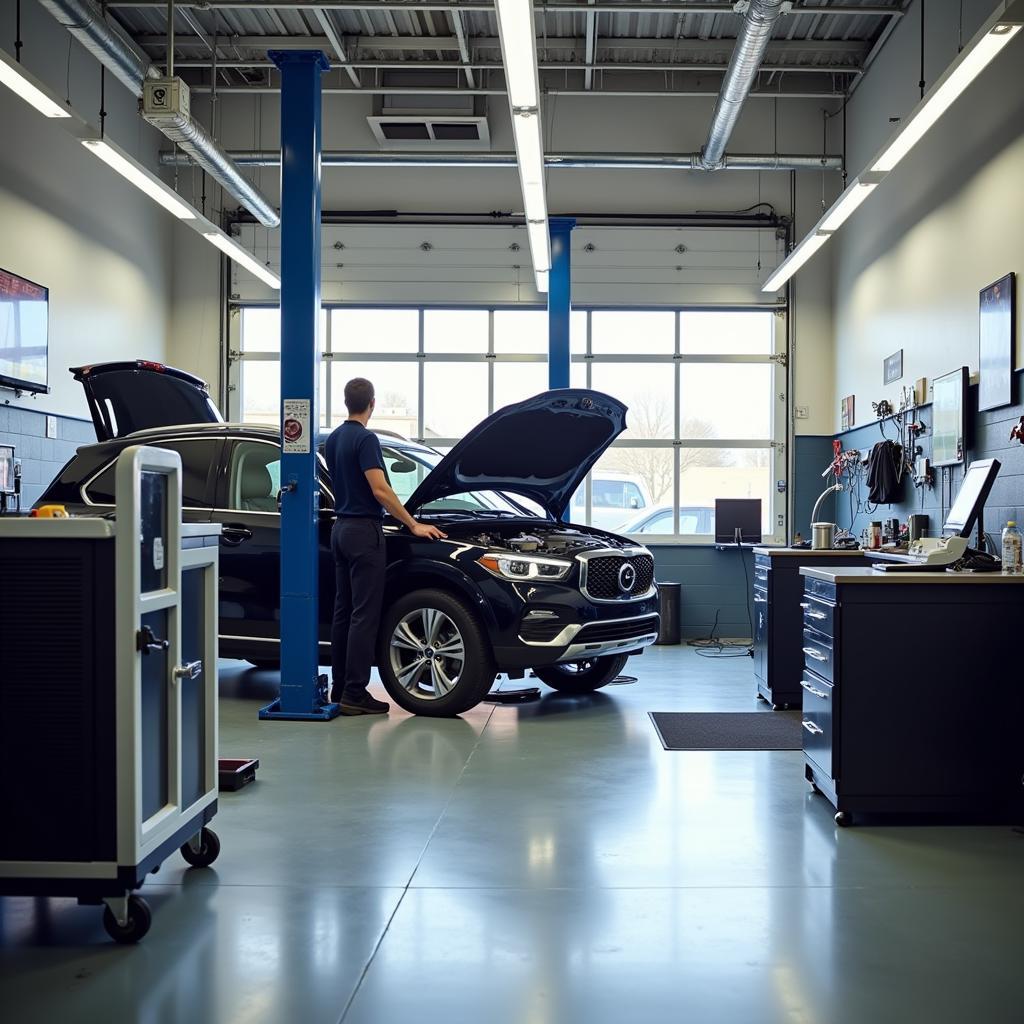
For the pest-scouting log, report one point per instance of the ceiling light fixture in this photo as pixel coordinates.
(19, 81)
(243, 257)
(1002, 26)
(519, 55)
(794, 261)
(142, 179)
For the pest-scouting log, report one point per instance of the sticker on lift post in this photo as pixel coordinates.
(295, 426)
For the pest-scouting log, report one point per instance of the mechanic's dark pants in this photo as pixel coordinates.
(359, 563)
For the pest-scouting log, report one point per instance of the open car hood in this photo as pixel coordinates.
(134, 395)
(542, 448)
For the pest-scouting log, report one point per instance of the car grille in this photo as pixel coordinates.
(603, 576)
(606, 632)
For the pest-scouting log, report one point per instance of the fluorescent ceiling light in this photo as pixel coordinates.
(243, 257)
(140, 178)
(846, 204)
(518, 52)
(529, 148)
(972, 62)
(19, 81)
(540, 246)
(794, 261)
(541, 279)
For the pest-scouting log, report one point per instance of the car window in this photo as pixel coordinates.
(255, 476)
(197, 457)
(404, 474)
(688, 521)
(660, 522)
(634, 499)
(607, 494)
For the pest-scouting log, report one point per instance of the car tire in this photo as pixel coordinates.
(582, 676)
(411, 670)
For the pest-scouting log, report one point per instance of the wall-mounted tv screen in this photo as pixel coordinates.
(24, 308)
(949, 430)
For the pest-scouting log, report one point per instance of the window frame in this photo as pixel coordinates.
(776, 443)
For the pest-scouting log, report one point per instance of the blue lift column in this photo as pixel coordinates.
(303, 689)
(559, 300)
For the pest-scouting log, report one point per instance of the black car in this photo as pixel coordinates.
(512, 588)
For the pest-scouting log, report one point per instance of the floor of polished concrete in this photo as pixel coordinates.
(547, 863)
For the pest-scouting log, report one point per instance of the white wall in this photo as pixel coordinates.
(948, 221)
(68, 222)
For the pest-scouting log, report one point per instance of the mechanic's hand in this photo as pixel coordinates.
(428, 532)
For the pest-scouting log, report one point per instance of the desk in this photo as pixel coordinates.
(912, 698)
(778, 591)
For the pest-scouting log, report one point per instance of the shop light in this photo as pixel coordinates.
(794, 261)
(242, 257)
(844, 206)
(971, 62)
(519, 52)
(142, 179)
(19, 81)
(540, 278)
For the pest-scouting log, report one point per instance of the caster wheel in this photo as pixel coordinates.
(209, 848)
(843, 819)
(140, 917)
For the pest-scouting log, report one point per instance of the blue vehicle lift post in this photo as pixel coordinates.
(303, 690)
(559, 301)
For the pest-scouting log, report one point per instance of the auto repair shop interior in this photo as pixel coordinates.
(694, 325)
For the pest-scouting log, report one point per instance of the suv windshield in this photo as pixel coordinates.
(406, 469)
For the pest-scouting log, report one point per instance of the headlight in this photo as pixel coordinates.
(525, 567)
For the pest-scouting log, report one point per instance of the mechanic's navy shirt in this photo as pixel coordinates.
(350, 451)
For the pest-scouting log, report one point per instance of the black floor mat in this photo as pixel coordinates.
(749, 730)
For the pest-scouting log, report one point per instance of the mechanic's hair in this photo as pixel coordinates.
(358, 395)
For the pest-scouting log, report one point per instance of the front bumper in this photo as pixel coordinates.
(580, 647)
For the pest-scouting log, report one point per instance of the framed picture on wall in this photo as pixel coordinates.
(846, 413)
(996, 305)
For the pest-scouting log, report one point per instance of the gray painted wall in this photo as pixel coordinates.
(42, 457)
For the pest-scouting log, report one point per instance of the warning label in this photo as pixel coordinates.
(295, 426)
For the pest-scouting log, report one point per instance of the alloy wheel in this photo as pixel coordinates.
(427, 653)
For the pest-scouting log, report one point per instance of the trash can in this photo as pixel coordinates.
(669, 597)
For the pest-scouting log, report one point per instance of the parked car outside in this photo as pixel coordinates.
(693, 520)
(614, 498)
(511, 589)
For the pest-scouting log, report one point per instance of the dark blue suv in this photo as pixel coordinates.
(513, 588)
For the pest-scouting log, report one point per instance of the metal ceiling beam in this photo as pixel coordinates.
(269, 90)
(776, 48)
(335, 40)
(487, 6)
(573, 161)
(460, 36)
(447, 65)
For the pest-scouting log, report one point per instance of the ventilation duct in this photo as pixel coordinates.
(86, 23)
(758, 22)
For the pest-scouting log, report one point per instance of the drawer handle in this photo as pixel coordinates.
(813, 652)
(817, 615)
(760, 600)
(813, 729)
(810, 689)
(804, 605)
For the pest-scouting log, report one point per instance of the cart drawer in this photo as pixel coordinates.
(819, 615)
(818, 653)
(817, 720)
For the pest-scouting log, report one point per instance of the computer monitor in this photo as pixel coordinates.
(737, 520)
(6, 469)
(969, 506)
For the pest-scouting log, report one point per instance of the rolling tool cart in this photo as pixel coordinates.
(108, 702)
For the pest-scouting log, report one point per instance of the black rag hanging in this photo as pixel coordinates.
(884, 477)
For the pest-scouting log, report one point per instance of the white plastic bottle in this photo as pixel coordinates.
(1011, 549)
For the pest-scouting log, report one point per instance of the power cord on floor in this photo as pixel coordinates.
(712, 646)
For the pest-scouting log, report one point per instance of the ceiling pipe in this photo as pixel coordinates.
(758, 22)
(576, 161)
(86, 23)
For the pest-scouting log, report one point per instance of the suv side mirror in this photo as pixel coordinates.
(634, 502)
(403, 466)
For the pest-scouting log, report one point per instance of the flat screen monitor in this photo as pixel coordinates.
(24, 309)
(6, 469)
(949, 402)
(737, 519)
(971, 498)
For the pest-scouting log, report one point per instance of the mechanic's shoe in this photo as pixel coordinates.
(364, 704)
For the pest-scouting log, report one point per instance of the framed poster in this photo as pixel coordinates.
(846, 413)
(949, 428)
(892, 367)
(996, 305)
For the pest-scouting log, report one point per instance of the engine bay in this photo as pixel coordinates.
(559, 540)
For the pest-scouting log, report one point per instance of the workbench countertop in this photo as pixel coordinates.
(865, 574)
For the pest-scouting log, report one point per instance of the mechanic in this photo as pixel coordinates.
(362, 493)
